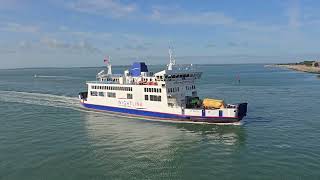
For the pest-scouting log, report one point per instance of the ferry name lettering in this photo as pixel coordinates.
(129, 103)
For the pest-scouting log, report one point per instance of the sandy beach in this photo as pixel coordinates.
(303, 68)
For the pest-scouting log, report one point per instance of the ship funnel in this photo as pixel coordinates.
(138, 68)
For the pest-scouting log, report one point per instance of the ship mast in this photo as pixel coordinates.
(172, 61)
(109, 66)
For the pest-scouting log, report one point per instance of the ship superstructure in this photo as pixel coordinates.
(168, 95)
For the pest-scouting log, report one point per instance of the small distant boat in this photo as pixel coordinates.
(35, 76)
(168, 95)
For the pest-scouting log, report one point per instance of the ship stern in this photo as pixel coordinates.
(242, 110)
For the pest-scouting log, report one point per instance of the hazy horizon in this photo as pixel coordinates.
(164, 61)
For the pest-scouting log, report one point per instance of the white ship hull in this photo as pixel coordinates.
(224, 116)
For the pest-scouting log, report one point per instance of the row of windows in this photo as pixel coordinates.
(111, 79)
(117, 88)
(109, 94)
(146, 79)
(95, 93)
(180, 75)
(157, 90)
(190, 87)
(159, 77)
(152, 98)
(175, 89)
(169, 77)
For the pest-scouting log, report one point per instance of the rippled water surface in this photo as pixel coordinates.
(45, 134)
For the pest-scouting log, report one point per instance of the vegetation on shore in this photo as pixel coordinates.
(306, 63)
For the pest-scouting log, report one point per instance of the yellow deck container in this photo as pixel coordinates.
(213, 103)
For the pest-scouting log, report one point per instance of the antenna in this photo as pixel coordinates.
(172, 61)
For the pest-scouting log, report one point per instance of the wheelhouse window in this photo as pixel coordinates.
(146, 97)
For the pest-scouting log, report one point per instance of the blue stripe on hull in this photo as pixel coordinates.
(150, 114)
(133, 111)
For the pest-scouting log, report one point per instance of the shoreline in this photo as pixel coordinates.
(298, 67)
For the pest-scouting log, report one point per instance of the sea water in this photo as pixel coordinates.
(45, 134)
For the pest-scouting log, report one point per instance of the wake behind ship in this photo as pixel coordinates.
(168, 95)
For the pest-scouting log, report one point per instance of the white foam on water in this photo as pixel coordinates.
(36, 76)
(40, 99)
(282, 146)
(39, 76)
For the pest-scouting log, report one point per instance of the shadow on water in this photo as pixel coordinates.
(224, 134)
(217, 134)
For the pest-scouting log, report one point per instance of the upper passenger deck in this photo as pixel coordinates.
(180, 74)
(138, 74)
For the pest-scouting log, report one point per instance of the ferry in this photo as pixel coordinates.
(169, 95)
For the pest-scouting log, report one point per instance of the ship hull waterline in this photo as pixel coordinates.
(163, 117)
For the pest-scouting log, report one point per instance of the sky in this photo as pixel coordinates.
(81, 33)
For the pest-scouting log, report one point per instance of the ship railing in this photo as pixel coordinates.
(102, 82)
(184, 67)
(125, 83)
